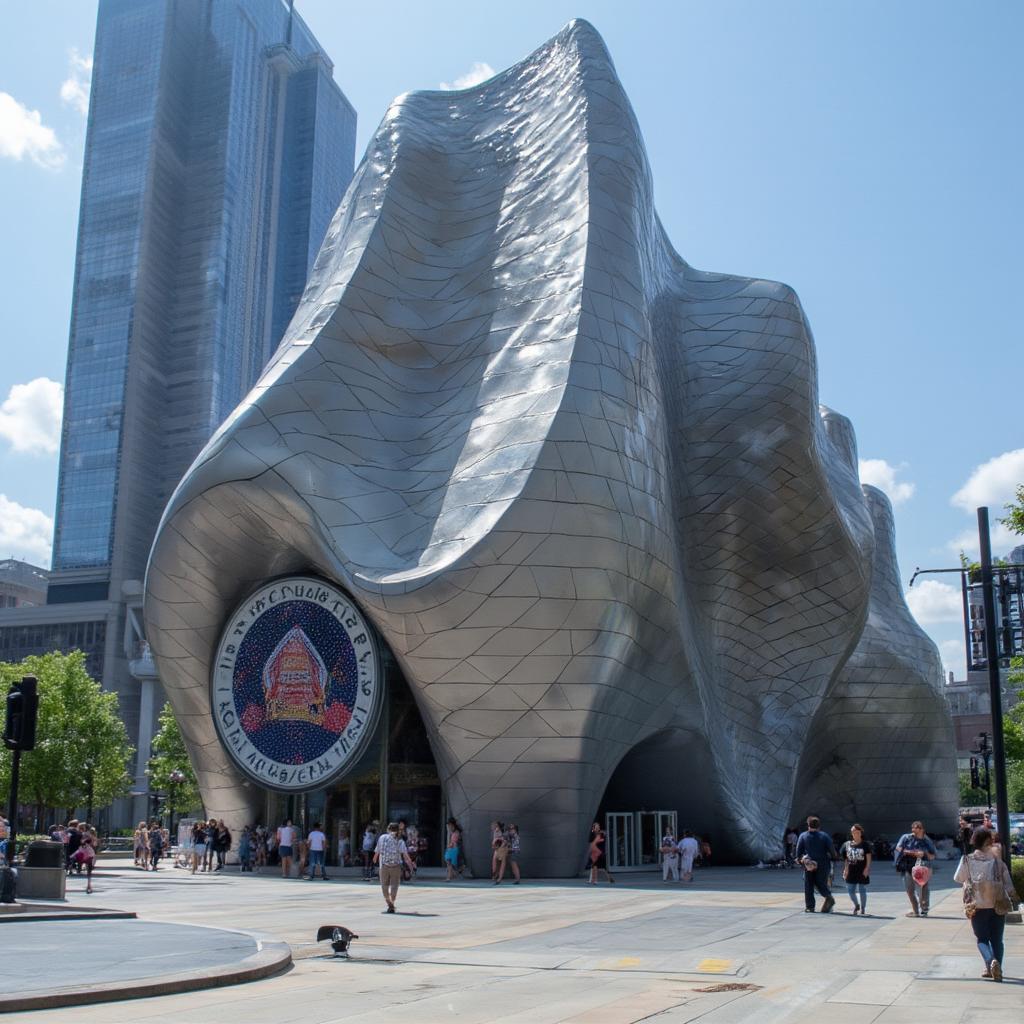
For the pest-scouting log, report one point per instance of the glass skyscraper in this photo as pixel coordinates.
(218, 148)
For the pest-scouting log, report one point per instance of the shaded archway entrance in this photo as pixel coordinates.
(664, 781)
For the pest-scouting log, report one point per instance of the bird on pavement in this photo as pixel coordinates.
(339, 935)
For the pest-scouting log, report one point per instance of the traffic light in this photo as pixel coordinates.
(975, 777)
(22, 711)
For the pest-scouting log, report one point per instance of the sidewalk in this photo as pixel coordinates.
(734, 947)
(64, 962)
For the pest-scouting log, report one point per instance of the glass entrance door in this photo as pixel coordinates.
(651, 826)
(620, 829)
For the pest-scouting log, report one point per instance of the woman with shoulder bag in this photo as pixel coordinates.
(598, 860)
(987, 899)
(856, 856)
(85, 855)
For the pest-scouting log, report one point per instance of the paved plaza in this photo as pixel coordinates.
(735, 946)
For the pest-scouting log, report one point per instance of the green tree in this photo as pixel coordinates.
(1014, 519)
(82, 753)
(969, 795)
(170, 754)
(1013, 737)
(1015, 786)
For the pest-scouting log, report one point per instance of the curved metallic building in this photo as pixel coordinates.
(582, 491)
(879, 749)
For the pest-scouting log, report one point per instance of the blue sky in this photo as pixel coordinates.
(866, 153)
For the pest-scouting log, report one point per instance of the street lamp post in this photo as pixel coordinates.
(994, 682)
(89, 780)
(985, 752)
(991, 642)
(176, 778)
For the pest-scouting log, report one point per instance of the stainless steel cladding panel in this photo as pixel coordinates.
(583, 491)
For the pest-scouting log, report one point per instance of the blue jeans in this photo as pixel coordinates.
(988, 931)
(852, 887)
(316, 859)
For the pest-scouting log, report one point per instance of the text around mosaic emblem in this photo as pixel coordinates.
(296, 684)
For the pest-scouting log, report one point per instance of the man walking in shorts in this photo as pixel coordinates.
(286, 837)
(317, 851)
(390, 853)
(688, 850)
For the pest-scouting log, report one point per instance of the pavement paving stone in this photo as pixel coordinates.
(841, 1013)
(564, 952)
(935, 1015)
(879, 987)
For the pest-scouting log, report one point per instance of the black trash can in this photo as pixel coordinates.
(43, 854)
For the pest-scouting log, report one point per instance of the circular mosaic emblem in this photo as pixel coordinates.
(296, 685)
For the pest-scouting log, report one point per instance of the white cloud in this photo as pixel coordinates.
(30, 416)
(74, 91)
(954, 658)
(932, 601)
(478, 73)
(1003, 541)
(23, 134)
(24, 532)
(993, 483)
(882, 475)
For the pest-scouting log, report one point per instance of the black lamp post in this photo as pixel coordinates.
(989, 639)
(90, 775)
(152, 797)
(176, 778)
(985, 752)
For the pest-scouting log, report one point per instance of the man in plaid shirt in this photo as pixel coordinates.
(391, 851)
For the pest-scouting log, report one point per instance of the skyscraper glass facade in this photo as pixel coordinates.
(218, 148)
(116, 166)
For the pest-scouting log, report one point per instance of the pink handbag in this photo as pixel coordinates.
(921, 874)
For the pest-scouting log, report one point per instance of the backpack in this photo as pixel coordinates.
(902, 861)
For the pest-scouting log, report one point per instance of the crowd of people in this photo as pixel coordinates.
(287, 850)
(81, 847)
(207, 845)
(149, 844)
(987, 888)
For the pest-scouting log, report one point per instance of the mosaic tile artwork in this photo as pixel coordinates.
(584, 493)
(295, 688)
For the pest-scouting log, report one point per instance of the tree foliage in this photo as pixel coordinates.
(1014, 518)
(82, 754)
(1015, 786)
(971, 796)
(170, 754)
(1013, 736)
